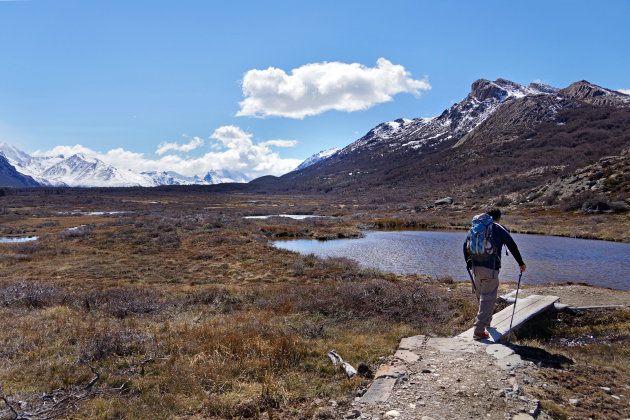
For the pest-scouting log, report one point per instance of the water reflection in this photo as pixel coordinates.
(548, 258)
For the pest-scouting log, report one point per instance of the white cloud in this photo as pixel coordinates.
(318, 87)
(234, 151)
(626, 91)
(191, 145)
(280, 143)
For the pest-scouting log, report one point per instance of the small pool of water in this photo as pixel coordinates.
(16, 240)
(439, 253)
(290, 216)
(93, 213)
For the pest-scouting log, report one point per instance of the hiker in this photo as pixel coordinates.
(484, 259)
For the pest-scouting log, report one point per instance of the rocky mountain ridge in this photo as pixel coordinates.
(495, 141)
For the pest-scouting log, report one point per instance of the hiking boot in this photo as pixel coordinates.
(480, 336)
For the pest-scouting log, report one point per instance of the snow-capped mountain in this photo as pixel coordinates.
(224, 175)
(422, 133)
(172, 178)
(210, 178)
(9, 177)
(324, 154)
(80, 170)
(12, 153)
(489, 143)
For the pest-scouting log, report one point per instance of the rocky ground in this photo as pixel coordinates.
(447, 378)
(455, 378)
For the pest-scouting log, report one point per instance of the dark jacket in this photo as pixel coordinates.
(501, 237)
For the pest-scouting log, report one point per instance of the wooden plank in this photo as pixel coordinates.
(525, 310)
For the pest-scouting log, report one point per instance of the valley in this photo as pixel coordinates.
(182, 307)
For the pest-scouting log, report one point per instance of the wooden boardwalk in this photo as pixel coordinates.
(525, 309)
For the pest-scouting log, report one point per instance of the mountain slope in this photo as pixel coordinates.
(10, 177)
(324, 154)
(501, 138)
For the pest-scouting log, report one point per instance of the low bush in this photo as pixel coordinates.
(121, 303)
(105, 344)
(76, 232)
(223, 300)
(30, 294)
(391, 301)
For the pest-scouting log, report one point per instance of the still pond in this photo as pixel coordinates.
(439, 253)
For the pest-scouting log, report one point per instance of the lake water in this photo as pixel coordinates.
(548, 258)
(290, 216)
(93, 213)
(15, 240)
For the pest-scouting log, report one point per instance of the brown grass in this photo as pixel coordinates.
(187, 304)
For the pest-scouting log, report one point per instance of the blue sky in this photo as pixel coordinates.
(132, 76)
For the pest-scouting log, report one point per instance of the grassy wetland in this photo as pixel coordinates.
(179, 307)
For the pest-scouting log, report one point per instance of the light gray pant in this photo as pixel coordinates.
(486, 287)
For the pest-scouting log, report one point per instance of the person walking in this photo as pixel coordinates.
(485, 267)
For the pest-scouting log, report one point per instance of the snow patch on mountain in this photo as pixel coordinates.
(12, 153)
(317, 157)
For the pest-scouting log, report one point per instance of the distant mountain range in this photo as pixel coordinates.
(502, 138)
(19, 169)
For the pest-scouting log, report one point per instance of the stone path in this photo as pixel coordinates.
(459, 378)
(449, 378)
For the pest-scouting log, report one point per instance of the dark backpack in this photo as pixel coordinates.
(480, 243)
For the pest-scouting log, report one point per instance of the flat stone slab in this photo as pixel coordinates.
(510, 362)
(390, 371)
(379, 391)
(499, 351)
(522, 416)
(525, 310)
(407, 356)
(453, 344)
(415, 342)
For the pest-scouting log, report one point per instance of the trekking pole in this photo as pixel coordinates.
(514, 309)
(474, 289)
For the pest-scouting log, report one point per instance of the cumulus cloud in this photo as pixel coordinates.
(318, 87)
(187, 147)
(626, 91)
(233, 150)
